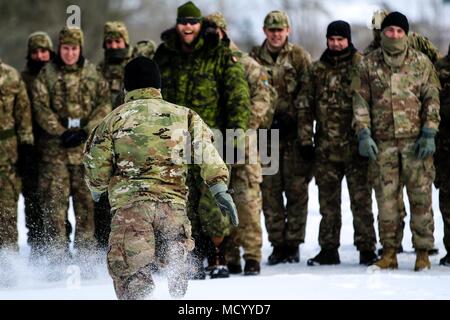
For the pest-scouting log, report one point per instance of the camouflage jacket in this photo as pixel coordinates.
(133, 153)
(60, 94)
(326, 97)
(415, 41)
(15, 115)
(443, 68)
(284, 75)
(209, 80)
(113, 74)
(396, 105)
(261, 92)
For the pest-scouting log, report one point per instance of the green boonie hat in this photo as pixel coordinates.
(71, 35)
(144, 48)
(218, 19)
(277, 20)
(188, 10)
(116, 30)
(377, 19)
(39, 39)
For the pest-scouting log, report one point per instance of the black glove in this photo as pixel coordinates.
(73, 138)
(26, 158)
(307, 152)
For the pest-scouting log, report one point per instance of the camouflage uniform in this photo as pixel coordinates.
(246, 179)
(286, 224)
(67, 97)
(211, 82)
(442, 157)
(396, 104)
(326, 97)
(144, 48)
(112, 70)
(30, 177)
(15, 129)
(147, 188)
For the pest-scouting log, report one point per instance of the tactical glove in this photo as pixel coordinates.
(225, 202)
(425, 146)
(73, 138)
(366, 146)
(307, 152)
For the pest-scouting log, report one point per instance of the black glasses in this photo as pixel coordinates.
(191, 21)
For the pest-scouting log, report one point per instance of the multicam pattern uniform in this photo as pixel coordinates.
(15, 129)
(59, 93)
(211, 82)
(396, 105)
(326, 97)
(131, 155)
(286, 225)
(246, 179)
(442, 156)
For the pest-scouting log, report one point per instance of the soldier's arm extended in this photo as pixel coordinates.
(45, 117)
(429, 96)
(212, 168)
(103, 104)
(235, 94)
(305, 104)
(98, 159)
(361, 98)
(22, 115)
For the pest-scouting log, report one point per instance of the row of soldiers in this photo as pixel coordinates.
(276, 87)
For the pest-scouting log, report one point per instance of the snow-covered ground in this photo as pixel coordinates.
(281, 282)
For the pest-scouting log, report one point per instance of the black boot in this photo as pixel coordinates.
(292, 254)
(252, 268)
(325, 257)
(234, 268)
(218, 264)
(445, 261)
(367, 258)
(434, 251)
(278, 255)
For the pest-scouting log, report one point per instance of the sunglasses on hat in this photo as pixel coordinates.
(185, 21)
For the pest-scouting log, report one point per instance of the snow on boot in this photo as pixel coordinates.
(445, 261)
(278, 256)
(422, 261)
(388, 261)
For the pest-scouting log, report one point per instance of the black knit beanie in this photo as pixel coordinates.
(141, 73)
(396, 19)
(341, 29)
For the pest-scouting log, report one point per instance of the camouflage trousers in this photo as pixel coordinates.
(245, 181)
(442, 162)
(397, 166)
(147, 235)
(9, 195)
(33, 215)
(58, 182)
(329, 175)
(286, 225)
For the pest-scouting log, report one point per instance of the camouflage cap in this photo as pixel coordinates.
(277, 20)
(218, 19)
(144, 48)
(71, 35)
(115, 30)
(377, 18)
(39, 39)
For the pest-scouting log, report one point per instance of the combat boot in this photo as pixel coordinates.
(422, 260)
(399, 250)
(278, 256)
(217, 263)
(445, 261)
(325, 257)
(252, 268)
(292, 254)
(234, 268)
(388, 260)
(433, 251)
(367, 257)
